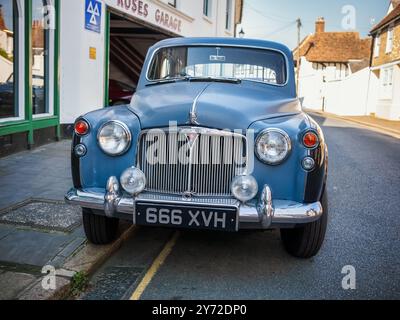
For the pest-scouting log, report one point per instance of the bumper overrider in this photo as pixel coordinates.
(263, 213)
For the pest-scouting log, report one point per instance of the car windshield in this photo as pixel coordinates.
(260, 65)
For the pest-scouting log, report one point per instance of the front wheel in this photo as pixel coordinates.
(99, 229)
(305, 241)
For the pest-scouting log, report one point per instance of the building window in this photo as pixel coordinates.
(389, 42)
(8, 59)
(228, 14)
(40, 58)
(377, 45)
(207, 8)
(172, 3)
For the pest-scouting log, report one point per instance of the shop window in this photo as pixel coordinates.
(40, 58)
(8, 59)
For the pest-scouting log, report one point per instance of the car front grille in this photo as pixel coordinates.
(191, 161)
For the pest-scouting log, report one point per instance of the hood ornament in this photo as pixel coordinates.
(193, 112)
(193, 118)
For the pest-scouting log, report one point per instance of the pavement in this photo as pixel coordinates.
(37, 229)
(363, 233)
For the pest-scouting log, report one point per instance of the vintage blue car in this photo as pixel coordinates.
(214, 138)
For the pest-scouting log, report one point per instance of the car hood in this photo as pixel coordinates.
(217, 105)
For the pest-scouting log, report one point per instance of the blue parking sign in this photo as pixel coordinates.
(93, 10)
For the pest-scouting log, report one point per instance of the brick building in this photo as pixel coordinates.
(385, 62)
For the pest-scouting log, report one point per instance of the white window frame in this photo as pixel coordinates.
(389, 40)
(377, 45)
(50, 74)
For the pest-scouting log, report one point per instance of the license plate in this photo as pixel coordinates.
(187, 217)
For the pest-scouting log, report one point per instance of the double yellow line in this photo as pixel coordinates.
(157, 263)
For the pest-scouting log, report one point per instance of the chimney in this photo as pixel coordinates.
(320, 25)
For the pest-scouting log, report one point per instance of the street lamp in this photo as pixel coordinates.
(241, 33)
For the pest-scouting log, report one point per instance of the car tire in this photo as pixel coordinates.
(99, 229)
(306, 241)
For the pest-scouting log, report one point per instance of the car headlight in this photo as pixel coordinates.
(114, 138)
(244, 188)
(273, 146)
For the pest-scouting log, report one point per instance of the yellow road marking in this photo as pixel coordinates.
(154, 267)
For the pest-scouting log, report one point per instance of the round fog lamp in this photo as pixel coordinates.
(133, 180)
(244, 188)
(308, 163)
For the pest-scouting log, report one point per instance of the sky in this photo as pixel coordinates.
(275, 19)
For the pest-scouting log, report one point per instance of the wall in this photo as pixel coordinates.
(310, 86)
(354, 96)
(82, 79)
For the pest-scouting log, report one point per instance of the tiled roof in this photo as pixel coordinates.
(394, 14)
(335, 47)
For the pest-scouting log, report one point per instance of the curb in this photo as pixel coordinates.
(86, 260)
(378, 128)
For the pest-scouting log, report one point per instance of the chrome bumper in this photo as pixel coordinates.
(263, 214)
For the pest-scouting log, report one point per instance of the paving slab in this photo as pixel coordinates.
(31, 247)
(43, 214)
(11, 283)
(5, 231)
(37, 292)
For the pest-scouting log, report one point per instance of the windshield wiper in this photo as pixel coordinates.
(214, 79)
(155, 83)
(194, 79)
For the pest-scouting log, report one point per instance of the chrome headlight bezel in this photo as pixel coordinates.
(285, 137)
(127, 134)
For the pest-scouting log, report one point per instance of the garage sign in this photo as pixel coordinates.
(93, 10)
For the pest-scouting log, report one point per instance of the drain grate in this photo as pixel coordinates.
(43, 214)
(114, 283)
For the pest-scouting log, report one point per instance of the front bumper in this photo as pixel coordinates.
(265, 213)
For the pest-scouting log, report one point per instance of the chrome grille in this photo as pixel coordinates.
(191, 161)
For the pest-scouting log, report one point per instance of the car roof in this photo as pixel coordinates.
(192, 41)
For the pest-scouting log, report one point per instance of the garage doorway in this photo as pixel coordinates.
(126, 49)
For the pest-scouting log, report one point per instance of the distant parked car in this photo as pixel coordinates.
(7, 97)
(120, 93)
(214, 138)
